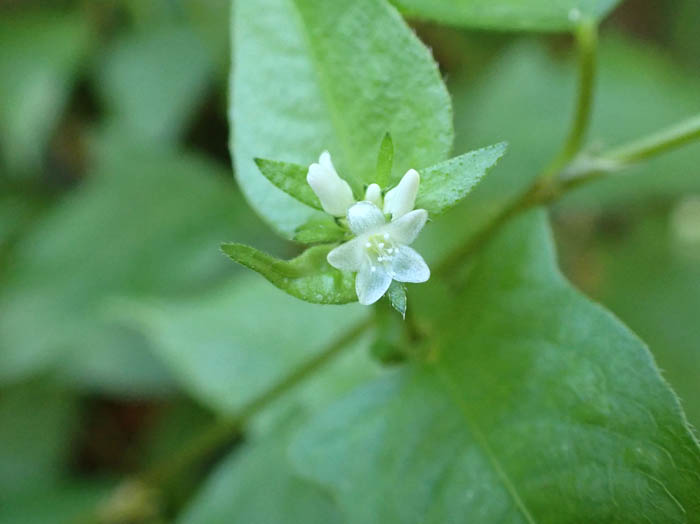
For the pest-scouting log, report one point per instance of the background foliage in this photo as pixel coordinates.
(125, 334)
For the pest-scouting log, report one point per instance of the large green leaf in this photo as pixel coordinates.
(532, 15)
(646, 272)
(40, 57)
(145, 224)
(311, 75)
(534, 405)
(230, 345)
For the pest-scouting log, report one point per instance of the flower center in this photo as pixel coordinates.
(381, 250)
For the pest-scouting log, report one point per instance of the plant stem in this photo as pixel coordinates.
(587, 43)
(657, 143)
(224, 431)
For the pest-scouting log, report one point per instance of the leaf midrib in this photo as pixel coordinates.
(480, 438)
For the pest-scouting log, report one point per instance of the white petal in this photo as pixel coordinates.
(325, 161)
(374, 195)
(349, 256)
(365, 216)
(334, 193)
(409, 266)
(405, 229)
(402, 198)
(371, 285)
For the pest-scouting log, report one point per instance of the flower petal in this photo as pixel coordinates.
(402, 198)
(365, 216)
(371, 285)
(409, 266)
(405, 229)
(349, 256)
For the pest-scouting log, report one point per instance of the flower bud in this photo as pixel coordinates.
(374, 195)
(334, 193)
(402, 198)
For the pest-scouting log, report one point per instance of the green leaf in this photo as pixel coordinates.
(322, 229)
(518, 15)
(309, 276)
(248, 336)
(311, 76)
(290, 178)
(152, 82)
(144, 224)
(40, 56)
(444, 185)
(535, 405)
(385, 161)
(646, 270)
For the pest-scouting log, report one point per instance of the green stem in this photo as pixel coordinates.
(657, 143)
(225, 430)
(587, 43)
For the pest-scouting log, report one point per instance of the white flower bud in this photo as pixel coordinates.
(334, 193)
(374, 195)
(402, 198)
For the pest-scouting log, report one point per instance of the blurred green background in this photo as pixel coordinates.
(123, 330)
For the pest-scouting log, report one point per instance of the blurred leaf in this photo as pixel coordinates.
(290, 178)
(442, 186)
(310, 76)
(152, 82)
(146, 224)
(257, 485)
(534, 117)
(229, 346)
(40, 57)
(529, 15)
(535, 405)
(67, 504)
(309, 276)
(36, 427)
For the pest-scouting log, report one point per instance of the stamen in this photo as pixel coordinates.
(368, 244)
(372, 269)
(381, 245)
(386, 236)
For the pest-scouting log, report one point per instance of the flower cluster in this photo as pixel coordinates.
(384, 227)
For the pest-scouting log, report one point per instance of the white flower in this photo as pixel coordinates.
(380, 252)
(334, 193)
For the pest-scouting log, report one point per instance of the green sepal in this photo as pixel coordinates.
(397, 296)
(309, 276)
(443, 185)
(385, 161)
(320, 230)
(290, 178)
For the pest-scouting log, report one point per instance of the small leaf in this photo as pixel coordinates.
(446, 183)
(385, 161)
(290, 178)
(317, 230)
(308, 277)
(397, 297)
